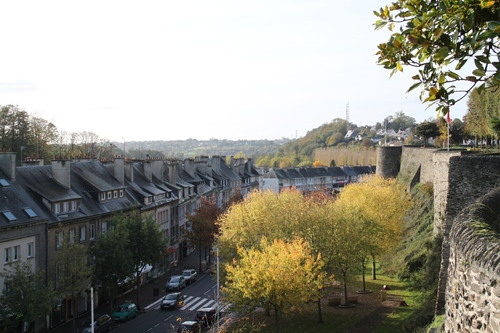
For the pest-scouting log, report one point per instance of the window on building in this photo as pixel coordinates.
(115, 194)
(83, 233)
(92, 231)
(59, 239)
(104, 227)
(7, 253)
(65, 207)
(74, 206)
(56, 207)
(72, 234)
(16, 253)
(30, 250)
(103, 196)
(110, 195)
(121, 193)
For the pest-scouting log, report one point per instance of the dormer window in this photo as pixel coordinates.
(110, 195)
(115, 194)
(103, 196)
(121, 193)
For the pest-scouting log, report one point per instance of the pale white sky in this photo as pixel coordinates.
(167, 70)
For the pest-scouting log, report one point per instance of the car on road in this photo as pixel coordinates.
(102, 324)
(176, 282)
(206, 316)
(124, 312)
(189, 327)
(172, 301)
(189, 275)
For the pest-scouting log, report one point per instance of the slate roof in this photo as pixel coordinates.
(40, 180)
(16, 200)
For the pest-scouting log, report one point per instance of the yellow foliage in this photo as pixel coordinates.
(276, 274)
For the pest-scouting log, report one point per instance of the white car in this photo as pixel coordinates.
(189, 275)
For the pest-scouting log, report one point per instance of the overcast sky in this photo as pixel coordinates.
(167, 70)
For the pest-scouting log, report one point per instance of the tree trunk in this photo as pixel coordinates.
(137, 287)
(363, 267)
(374, 268)
(344, 278)
(276, 320)
(320, 314)
(200, 250)
(73, 298)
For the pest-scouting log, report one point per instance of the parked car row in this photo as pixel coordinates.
(177, 282)
(104, 323)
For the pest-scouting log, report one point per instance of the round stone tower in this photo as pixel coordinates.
(388, 161)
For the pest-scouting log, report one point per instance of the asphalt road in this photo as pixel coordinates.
(201, 293)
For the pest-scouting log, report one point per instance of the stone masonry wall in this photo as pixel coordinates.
(417, 160)
(469, 178)
(473, 288)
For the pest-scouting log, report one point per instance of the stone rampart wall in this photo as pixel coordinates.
(473, 288)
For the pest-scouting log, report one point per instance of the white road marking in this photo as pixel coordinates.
(197, 305)
(187, 304)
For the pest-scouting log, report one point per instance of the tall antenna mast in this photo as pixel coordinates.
(347, 112)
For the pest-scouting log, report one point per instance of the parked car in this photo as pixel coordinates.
(189, 275)
(102, 324)
(189, 326)
(172, 301)
(125, 312)
(176, 282)
(206, 316)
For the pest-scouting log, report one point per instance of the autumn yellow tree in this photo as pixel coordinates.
(381, 205)
(275, 275)
(261, 215)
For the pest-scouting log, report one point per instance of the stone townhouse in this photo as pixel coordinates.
(313, 179)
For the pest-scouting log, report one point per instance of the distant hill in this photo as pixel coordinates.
(194, 147)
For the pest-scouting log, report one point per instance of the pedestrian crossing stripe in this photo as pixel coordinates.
(192, 303)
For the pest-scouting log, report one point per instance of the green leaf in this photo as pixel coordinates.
(413, 86)
(494, 26)
(478, 72)
(460, 64)
(454, 76)
(443, 52)
(479, 65)
(483, 59)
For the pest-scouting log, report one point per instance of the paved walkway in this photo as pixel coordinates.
(147, 294)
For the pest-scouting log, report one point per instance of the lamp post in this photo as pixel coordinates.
(217, 316)
(92, 309)
(22, 148)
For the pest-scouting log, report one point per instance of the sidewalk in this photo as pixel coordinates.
(146, 296)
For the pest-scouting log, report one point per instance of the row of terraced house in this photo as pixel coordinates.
(41, 205)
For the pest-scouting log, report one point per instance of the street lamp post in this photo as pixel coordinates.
(218, 302)
(22, 148)
(92, 309)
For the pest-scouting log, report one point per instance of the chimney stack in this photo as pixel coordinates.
(129, 171)
(8, 164)
(148, 170)
(172, 171)
(61, 171)
(189, 166)
(119, 169)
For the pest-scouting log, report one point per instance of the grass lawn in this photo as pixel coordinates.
(335, 319)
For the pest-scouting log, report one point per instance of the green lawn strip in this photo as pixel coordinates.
(400, 315)
(304, 321)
